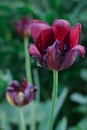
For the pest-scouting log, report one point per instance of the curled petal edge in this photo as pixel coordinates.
(80, 49)
(71, 56)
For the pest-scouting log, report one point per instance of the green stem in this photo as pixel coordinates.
(22, 123)
(54, 97)
(29, 79)
(27, 61)
(37, 83)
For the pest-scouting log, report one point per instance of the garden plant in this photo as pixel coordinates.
(43, 79)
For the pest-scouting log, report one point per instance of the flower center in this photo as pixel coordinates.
(20, 96)
(64, 50)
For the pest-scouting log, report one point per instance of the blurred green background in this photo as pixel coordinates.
(72, 113)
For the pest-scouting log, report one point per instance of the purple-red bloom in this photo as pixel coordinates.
(20, 95)
(55, 47)
(22, 27)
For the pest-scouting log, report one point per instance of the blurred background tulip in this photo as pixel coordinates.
(20, 95)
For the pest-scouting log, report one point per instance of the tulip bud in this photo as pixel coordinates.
(23, 27)
(20, 95)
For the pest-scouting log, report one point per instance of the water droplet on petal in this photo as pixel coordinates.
(38, 64)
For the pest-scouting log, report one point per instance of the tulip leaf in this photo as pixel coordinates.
(80, 109)
(5, 11)
(5, 7)
(60, 101)
(23, 10)
(82, 125)
(49, 16)
(36, 11)
(79, 9)
(79, 98)
(3, 122)
(41, 112)
(53, 3)
(62, 125)
(83, 16)
(83, 74)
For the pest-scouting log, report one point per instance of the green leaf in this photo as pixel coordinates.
(62, 125)
(3, 122)
(5, 11)
(36, 11)
(79, 98)
(74, 16)
(80, 109)
(49, 16)
(60, 102)
(83, 72)
(82, 125)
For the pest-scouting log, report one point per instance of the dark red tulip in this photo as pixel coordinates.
(22, 27)
(20, 95)
(55, 47)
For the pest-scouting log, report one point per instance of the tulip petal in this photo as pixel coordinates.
(20, 95)
(42, 34)
(73, 37)
(33, 51)
(24, 84)
(53, 57)
(29, 93)
(80, 49)
(71, 56)
(14, 85)
(16, 100)
(22, 27)
(37, 27)
(10, 99)
(60, 28)
(18, 27)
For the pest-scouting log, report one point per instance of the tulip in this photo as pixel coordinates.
(55, 47)
(20, 95)
(22, 27)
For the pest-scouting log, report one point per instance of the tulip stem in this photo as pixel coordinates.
(29, 79)
(36, 81)
(27, 61)
(54, 97)
(22, 123)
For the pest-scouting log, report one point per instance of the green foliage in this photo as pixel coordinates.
(12, 63)
(82, 125)
(5, 79)
(62, 125)
(82, 101)
(10, 114)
